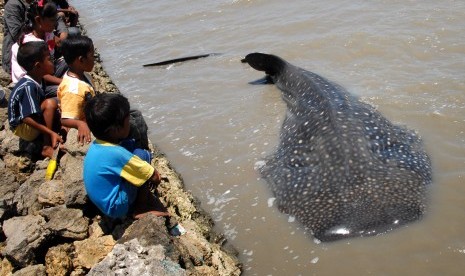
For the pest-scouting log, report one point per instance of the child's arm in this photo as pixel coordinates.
(54, 137)
(81, 126)
(52, 79)
(70, 9)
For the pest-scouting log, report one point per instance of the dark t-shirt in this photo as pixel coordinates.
(25, 100)
(61, 4)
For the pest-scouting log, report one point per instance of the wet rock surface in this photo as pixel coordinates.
(51, 228)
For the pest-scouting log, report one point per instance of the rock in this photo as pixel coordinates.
(74, 191)
(5, 78)
(79, 271)
(58, 260)
(8, 187)
(200, 255)
(35, 270)
(10, 142)
(151, 230)
(18, 163)
(138, 129)
(102, 82)
(51, 193)
(24, 236)
(26, 197)
(91, 251)
(95, 230)
(72, 145)
(66, 223)
(3, 109)
(179, 203)
(131, 258)
(196, 252)
(6, 268)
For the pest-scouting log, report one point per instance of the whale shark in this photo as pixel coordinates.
(340, 168)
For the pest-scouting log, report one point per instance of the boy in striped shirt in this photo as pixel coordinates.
(30, 114)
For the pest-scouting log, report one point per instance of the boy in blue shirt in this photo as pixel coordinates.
(29, 113)
(117, 178)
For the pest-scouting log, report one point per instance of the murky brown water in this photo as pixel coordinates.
(407, 58)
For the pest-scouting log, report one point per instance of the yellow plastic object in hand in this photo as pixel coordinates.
(52, 164)
(51, 168)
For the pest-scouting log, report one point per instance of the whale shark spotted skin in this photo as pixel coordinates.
(341, 168)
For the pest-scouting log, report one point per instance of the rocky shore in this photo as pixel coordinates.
(51, 228)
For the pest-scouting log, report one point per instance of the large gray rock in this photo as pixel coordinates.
(35, 270)
(73, 184)
(10, 142)
(26, 197)
(51, 193)
(24, 236)
(149, 230)
(72, 145)
(8, 187)
(131, 258)
(67, 223)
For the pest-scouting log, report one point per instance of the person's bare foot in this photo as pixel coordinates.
(156, 213)
(47, 151)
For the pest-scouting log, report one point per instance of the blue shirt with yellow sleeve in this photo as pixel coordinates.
(112, 175)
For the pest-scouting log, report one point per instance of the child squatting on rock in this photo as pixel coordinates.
(117, 177)
(77, 86)
(30, 114)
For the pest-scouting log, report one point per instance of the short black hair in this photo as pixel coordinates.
(41, 9)
(76, 46)
(106, 111)
(31, 52)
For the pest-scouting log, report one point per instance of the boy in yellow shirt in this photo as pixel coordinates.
(76, 87)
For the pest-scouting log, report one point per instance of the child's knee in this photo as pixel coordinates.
(49, 104)
(61, 14)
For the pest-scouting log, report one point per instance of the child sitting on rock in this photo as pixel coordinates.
(30, 114)
(68, 12)
(117, 178)
(76, 87)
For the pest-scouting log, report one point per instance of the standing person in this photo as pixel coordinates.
(116, 179)
(30, 114)
(76, 87)
(14, 17)
(40, 24)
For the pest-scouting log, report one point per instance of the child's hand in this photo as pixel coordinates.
(156, 178)
(83, 134)
(73, 10)
(55, 139)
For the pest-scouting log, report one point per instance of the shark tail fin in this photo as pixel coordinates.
(270, 64)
